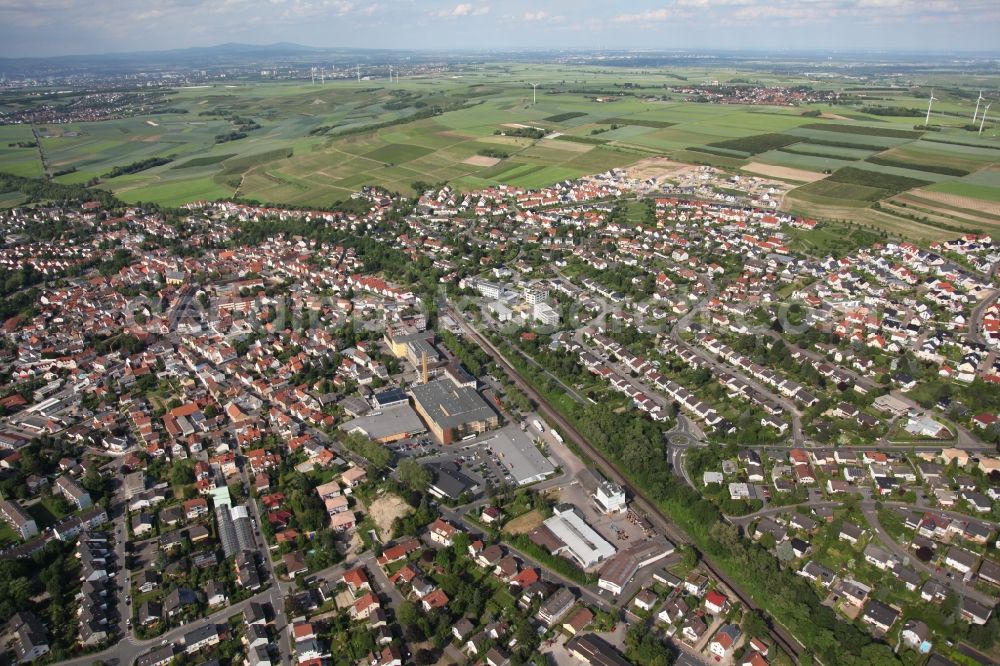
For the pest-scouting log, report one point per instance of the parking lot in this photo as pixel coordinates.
(474, 457)
(616, 528)
(143, 554)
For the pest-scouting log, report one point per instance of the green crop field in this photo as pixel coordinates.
(820, 150)
(852, 187)
(800, 161)
(967, 189)
(988, 177)
(830, 192)
(203, 161)
(866, 130)
(843, 139)
(396, 153)
(317, 144)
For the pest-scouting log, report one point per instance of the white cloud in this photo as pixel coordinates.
(708, 4)
(648, 16)
(305, 8)
(464, 9)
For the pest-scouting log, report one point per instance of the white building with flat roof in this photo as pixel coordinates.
(535, 295)
(546, 314)
(500, 311)
(488, 289)
(610, 497)
(583, 543)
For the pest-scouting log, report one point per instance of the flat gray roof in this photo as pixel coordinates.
(420, 346)
(451, 406)
(519, 455)
(388, 422)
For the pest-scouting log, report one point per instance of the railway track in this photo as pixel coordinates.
(781, 636)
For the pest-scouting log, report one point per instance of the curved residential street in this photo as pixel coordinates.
(870, 512)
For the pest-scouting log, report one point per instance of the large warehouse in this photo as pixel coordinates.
(583, 543)
(387, 425)
(520, 457)
(452, 411)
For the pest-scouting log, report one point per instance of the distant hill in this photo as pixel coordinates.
(220, 54)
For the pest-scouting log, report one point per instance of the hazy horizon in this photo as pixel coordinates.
(42, 28)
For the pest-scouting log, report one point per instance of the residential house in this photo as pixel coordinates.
(879, 616)
(716, 602)
(725, 640)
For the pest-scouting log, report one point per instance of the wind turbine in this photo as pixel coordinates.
(359, 73)
(976, 113)
(983, 121)
(534, 91)
(927, 121)
(312, 72)
(390, 73)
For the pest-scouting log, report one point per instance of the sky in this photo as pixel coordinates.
(66, 27)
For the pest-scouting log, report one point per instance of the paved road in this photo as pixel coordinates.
(865, 382)
(868, 509)
(368, 561)
(680, 438)
(675, 333)
(955, 583)
(128, 649)
(976, 319)
(279, 588)
(181, 308)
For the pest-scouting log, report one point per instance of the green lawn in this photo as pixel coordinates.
(7, 535)
(46, 512)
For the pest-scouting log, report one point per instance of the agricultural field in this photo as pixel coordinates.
(316, 144)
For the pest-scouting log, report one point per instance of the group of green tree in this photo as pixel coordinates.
(471, 594)
(471, 356)
(375, 453)
(643, 646)
(136, 167)
(523, 132)
(493, 152)
(426, 111)
(39, 189)
(46, 584)
(226, 137)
